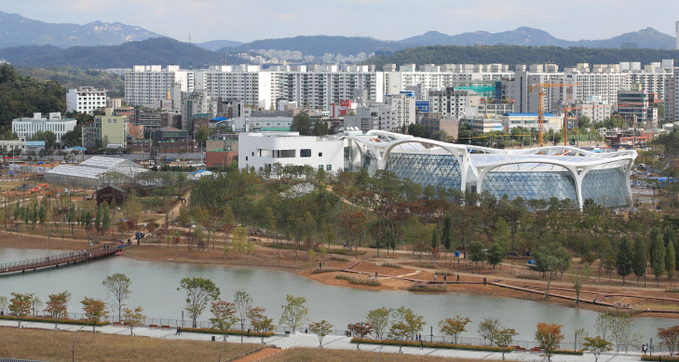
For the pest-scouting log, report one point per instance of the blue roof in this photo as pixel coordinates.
(219, 119)
(526, 114)
(35, 143)
(197, 172)
(77, 148)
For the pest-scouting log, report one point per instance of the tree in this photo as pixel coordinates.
(118, 287)
(379, 318)
(670, 260)
(476, 252)
(487, 329)
(618, 326)
(579, 278)
(301, 123)
(446, 238)
(551, 258)
(56, 306)
(94, 310)
(199, 292)
(20, 305)
(417, 130)
(504, 337)
(320, 329)
(360, 330)
(133, 318)
(454, 326)
(406, 325)
(294, 312)
(259, 321)
(639, 259)
(549, 337)
(72, 138)
(596, 345)
(658, 263)
(496, 253)
(669, 337)
(243, 304)
(623, 260)
(224, 316)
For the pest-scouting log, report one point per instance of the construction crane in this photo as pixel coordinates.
(541, 112)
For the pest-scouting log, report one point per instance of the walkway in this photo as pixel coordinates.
(330, 342)
(62, 259)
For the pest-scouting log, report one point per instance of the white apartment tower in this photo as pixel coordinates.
(148, 85)
(85, 100)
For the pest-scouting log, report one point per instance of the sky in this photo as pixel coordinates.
(248, 20)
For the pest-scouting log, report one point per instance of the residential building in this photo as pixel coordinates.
(107, 131)
(27, 127)
(148, 85)
(85, 100)
(433, 122)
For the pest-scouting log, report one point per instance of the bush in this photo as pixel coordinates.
(529, 276)
(645, 357)
(230, 332)
(359, 281)
(392, 265)
(51, 320)
(445, 272)
(326, 270)
(467, 347)
(338, 257)
(672, 290)
(428, 288)
(568, 351)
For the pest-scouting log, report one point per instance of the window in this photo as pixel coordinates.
(320, 154)
(320, 167)
(329, 168)
(305, 152)
(246, 158)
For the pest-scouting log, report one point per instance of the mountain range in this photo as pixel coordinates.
(16, 30)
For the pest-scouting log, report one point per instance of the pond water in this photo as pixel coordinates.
(155, 288)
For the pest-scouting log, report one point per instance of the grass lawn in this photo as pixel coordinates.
(50, 345)
(336, 355)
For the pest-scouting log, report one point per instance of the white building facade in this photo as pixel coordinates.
(265, 152)
(85, 100)
(27, 127)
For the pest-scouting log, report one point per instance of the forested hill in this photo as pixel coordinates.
(22, 96)
(512, 55)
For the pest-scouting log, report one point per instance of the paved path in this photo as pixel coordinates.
(330, 342)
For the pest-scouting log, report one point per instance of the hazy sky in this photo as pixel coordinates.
(247, 20)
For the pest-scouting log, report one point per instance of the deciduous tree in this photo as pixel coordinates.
(295, 312)
(94, 310)
(549, 337)
(379, 318)
(454, 326)
(199, 292)
(320, 329)
(259, 320)
(224, 315)
(360, 330)
(596, 345)
(133, 318)
(118, 287)
(243, 303)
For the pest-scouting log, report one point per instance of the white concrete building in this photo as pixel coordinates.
(85, 100)
(27, 127)
(402, 110)
(265, 151)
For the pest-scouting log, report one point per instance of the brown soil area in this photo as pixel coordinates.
(411, 268)
(332, 355)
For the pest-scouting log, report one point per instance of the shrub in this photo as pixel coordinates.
(467, 347)
(338, 257)
(645, 357)
(231, 332)
(445, 272)
(529, 276)
(359, 281)
(325, 270)
(428, 288)
(392, 265)
(52, 320)
(672, 290)
(568, 351)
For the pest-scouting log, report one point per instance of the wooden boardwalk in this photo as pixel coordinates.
(72, 257)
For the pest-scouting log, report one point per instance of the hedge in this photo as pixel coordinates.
(231, 332)
(50, 320)
(468, 347)
(645, 357)
(568, 351)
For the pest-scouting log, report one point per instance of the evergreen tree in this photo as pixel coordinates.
(658, 263)
(639, 258)
(655, 233)
(434, 238)
(670, 259)
(623, 260)
(446, 233)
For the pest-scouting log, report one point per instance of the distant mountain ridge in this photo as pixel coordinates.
(16, 30)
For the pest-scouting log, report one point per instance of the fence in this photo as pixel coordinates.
(280, 329)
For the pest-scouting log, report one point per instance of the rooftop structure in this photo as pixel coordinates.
(96, 172)
(560, 172)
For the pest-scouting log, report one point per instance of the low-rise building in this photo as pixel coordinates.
(85, 100)
(27, 127)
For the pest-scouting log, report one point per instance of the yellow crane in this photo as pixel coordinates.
(541, 112)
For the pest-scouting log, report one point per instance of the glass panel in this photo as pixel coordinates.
(606, 187)
(426, 169)
(531, 185)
